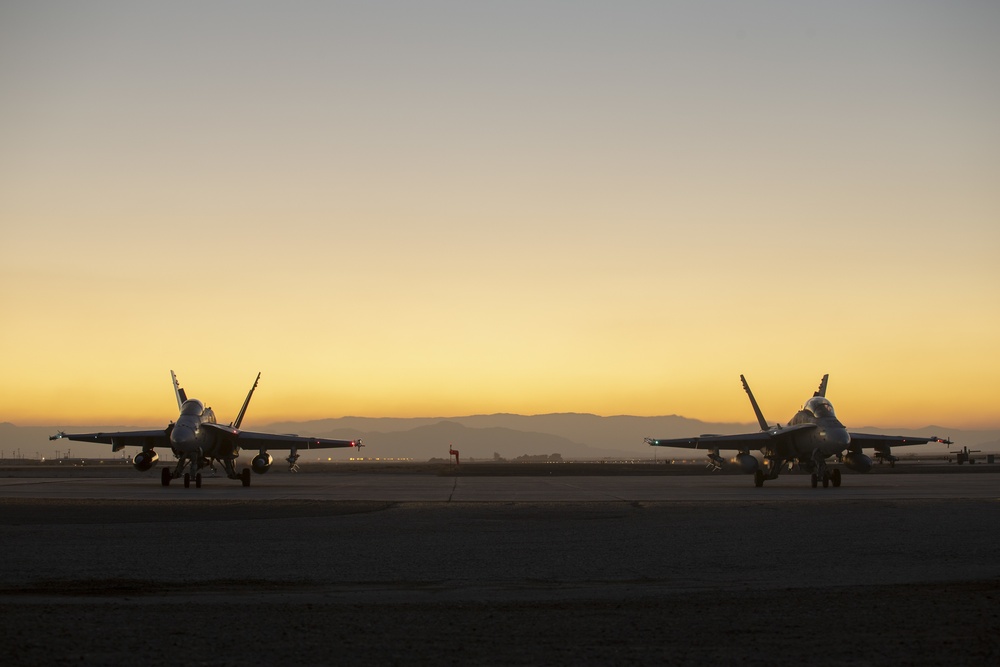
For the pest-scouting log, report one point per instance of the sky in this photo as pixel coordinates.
(447, 208)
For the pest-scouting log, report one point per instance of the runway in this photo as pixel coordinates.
(424, 569)
(281, 485)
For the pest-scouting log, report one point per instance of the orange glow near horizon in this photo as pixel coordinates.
(716, 402)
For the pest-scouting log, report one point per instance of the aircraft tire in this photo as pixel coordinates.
(187, 480)
(758, 478)
(165, 476)
(815, 480)
(197, 481)
(245, 477)
(835, 478)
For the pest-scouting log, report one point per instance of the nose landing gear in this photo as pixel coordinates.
(827, 478)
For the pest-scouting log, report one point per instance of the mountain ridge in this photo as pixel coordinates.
(572, 435)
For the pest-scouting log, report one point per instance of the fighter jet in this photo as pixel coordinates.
(197, 441)
(812, 436)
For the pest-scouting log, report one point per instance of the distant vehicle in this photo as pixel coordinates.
(197, 440)
(812, 436)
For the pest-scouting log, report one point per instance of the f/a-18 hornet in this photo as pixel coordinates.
(197, 441)
(812, 436)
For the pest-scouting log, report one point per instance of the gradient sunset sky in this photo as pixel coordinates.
(448, 208)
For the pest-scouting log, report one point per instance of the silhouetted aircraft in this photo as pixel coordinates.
(197, 440)
(811, 437)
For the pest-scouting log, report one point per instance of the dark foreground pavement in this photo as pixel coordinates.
(868, 582)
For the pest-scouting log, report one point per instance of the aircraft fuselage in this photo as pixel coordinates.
(188, 438)
(829, 438)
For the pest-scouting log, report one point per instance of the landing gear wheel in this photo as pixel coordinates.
(758, 478)
(826, 480)
(197, 481)
(835, 478)
(815, 480)
(245, 477)
(165, 476)
(187, 480)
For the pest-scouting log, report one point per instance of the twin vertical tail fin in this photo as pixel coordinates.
(243, 410)
(756, 408)
(822, 386)
(178, 391)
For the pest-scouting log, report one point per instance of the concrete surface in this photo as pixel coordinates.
(421, 569)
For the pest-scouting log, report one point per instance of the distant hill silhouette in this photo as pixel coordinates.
(434, 440)
(619, 433)
(574, 436)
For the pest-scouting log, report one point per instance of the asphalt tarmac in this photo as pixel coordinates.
(478, 483)
(425, 569)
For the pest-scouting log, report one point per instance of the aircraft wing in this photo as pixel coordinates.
(876, 441)
(739, 441)
(144, 439)
(252, 440)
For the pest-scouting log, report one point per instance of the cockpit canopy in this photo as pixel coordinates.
(193, 407)
(820, 407)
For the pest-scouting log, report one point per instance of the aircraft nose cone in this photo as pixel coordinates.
(838, 437)
(182, 437)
